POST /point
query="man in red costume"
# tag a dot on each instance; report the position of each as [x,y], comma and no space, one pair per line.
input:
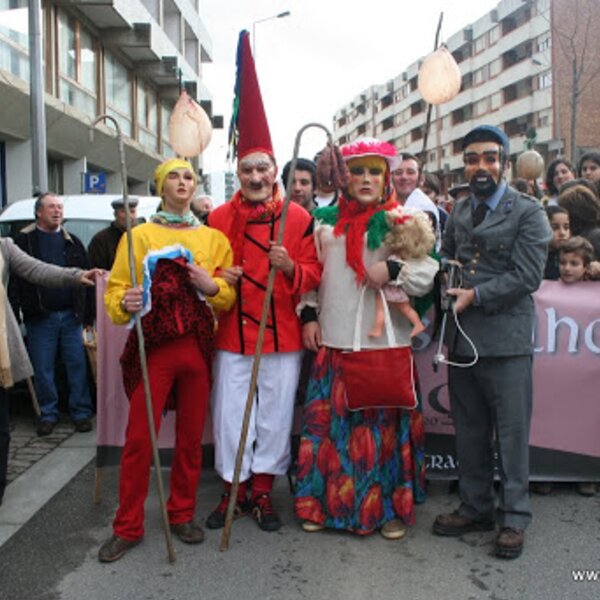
[251,221]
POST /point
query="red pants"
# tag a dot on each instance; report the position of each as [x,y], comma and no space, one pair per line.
[178,362]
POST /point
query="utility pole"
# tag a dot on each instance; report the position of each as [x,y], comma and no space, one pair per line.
[39,160]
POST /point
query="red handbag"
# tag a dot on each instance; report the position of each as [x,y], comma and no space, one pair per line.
[380,378]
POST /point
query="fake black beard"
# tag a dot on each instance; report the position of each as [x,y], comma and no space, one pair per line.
[482,184]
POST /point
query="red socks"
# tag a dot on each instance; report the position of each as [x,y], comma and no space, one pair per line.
[242,489]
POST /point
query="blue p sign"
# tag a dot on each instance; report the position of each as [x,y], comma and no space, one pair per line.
[94,183]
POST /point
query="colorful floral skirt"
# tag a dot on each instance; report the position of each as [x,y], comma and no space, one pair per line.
[356,469]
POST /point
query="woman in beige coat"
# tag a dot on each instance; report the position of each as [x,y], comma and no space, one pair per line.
[14,361]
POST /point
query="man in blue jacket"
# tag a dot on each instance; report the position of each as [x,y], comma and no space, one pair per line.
[54,316]
[499,236]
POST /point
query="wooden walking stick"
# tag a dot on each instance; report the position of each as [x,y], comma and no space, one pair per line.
[141,344]
[259,344]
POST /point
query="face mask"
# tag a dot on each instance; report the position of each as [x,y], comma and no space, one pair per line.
[482,184]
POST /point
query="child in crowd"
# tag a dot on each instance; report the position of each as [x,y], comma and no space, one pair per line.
[561,232]
[574,259]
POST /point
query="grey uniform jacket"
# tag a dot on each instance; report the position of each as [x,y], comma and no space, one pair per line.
[504,257]
[35,271]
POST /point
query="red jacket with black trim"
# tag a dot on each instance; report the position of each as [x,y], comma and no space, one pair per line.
[238,328]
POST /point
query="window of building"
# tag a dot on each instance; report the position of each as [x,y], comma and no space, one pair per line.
[467,81]
[361,129]
[457,146]
[417,108]
[543,119]
[118,92]
[544,80]
[14,43]
[416,134]
[387,123]
[479,44]
[413,84]
[481,107]
[387,100]
[493,35]
[147,116]
[495,67]
[496,100]
[516,20]
[517,54]
[432,156]
[165,114]
[543,44]
[76,66]
[341,121]
[481,75]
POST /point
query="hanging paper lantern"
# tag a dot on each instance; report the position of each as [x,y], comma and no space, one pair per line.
[439,77]
[190,129]
[530,165]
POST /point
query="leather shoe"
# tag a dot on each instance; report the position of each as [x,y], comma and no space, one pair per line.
[509,542]
[188,532]
[454,524]
[83,425]
[45,428]
[115,548]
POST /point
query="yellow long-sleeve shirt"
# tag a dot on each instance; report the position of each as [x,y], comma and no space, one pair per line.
[209,247]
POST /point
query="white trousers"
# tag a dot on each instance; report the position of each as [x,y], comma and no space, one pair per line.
[267,447]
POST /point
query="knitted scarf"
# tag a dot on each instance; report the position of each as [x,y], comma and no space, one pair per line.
[244,212]
[162,217]
[352,221]
[6,379]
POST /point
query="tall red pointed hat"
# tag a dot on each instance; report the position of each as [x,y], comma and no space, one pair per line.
[248,130]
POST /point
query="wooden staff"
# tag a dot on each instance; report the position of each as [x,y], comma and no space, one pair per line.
[259,343]
[141,343]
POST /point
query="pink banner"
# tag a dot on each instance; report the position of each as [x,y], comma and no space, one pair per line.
[566,408]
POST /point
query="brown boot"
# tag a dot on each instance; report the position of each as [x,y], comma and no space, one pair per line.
[115,548]
[188,532]
[509,542]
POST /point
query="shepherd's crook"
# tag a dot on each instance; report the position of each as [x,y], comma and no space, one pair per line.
[140,335]
[259,342]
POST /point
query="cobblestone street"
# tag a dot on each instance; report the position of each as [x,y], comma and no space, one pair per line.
[26,448]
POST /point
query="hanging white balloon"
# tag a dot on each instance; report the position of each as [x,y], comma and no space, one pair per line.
[190,129]
[439,77]
[530,165]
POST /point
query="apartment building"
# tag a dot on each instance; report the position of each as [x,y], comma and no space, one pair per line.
[124,58]
[521,64]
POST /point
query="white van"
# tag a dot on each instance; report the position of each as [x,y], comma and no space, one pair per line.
[84,214]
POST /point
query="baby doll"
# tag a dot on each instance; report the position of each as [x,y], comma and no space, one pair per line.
[411,236]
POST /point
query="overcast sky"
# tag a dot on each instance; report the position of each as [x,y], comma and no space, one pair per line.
[316,60]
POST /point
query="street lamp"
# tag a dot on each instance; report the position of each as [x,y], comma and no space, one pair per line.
[281,15]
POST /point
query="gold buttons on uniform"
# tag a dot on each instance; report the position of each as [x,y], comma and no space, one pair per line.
[244,322]
[472,272]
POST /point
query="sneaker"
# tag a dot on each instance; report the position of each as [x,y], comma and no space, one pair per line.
[216,519]
[509,542]
[264,513]
[312,527]
[393,530]
[188,532]
[45,428]
[115,548]
[83,425]
[454,524]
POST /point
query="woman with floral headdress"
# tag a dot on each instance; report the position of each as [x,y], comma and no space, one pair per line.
[358,470]
[176,260]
